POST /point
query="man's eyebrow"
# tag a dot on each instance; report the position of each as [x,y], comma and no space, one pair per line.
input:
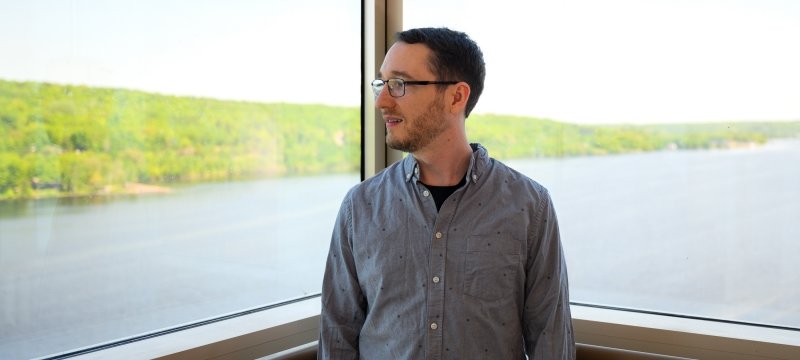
[397,74]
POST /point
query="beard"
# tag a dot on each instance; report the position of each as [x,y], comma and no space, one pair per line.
[420,131]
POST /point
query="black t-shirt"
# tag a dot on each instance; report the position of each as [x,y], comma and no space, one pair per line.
[441,193]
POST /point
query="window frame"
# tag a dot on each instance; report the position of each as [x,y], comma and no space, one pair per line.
[276,329]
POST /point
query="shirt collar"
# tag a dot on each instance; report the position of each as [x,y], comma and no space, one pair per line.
[477,164]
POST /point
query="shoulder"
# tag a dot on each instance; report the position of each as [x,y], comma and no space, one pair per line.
[502,175]
[387,178]
[516,181]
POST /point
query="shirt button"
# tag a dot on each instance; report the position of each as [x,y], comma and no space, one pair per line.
[434,326]
[426,193]
[438,235]
[435,279]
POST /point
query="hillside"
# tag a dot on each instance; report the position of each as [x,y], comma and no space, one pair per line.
[62,140]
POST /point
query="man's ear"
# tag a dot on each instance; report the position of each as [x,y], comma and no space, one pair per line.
[459,97]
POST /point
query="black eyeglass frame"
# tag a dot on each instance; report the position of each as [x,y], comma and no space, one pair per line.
[379,84]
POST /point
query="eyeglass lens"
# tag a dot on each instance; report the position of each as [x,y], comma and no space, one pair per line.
[377,86]
[396,87]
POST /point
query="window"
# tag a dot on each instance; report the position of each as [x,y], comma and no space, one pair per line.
[166,163]
[23,273]
[667,133]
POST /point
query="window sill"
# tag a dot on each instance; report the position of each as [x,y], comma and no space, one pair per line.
[678,336]
[245,337]
[275,330]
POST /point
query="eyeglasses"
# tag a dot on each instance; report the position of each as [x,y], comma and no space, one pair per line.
[397,87]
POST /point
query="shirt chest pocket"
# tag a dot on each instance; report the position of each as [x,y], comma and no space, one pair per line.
[492,268]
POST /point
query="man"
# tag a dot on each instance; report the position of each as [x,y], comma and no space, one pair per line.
[447,254]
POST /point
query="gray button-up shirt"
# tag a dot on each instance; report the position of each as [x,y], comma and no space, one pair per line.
[484,278]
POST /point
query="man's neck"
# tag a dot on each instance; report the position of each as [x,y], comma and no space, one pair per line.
[445,164]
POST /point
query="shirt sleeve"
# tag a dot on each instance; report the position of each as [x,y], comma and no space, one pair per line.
[343,304]
[547,322]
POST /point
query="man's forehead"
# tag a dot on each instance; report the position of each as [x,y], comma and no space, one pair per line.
[406,61]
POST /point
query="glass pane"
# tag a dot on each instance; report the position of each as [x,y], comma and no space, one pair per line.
[668,133]
[167,162]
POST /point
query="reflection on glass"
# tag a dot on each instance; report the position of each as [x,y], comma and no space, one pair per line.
[668,133]
[162,164]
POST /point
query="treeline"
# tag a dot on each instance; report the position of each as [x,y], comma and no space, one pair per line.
[65,140]
[62,140]
[525,137]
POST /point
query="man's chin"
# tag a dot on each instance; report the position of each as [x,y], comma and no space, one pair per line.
[398,145]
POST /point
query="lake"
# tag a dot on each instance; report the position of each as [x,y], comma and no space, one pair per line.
[707,233]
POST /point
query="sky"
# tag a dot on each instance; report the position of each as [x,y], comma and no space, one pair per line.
[256,50]
[580,61]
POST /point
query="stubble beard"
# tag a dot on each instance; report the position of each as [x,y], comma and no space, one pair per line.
[420,131]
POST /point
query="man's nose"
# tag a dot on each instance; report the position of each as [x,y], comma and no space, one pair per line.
[384,99]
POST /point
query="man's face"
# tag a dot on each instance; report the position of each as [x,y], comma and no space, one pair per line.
[414,120]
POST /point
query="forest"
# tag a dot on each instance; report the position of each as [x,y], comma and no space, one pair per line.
[65,140]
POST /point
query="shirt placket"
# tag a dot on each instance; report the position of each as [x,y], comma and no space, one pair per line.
[435,299]
[438,276]
[436,289]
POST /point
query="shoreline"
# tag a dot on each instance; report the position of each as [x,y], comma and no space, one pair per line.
[137,188]
[143,189]
[126,189]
